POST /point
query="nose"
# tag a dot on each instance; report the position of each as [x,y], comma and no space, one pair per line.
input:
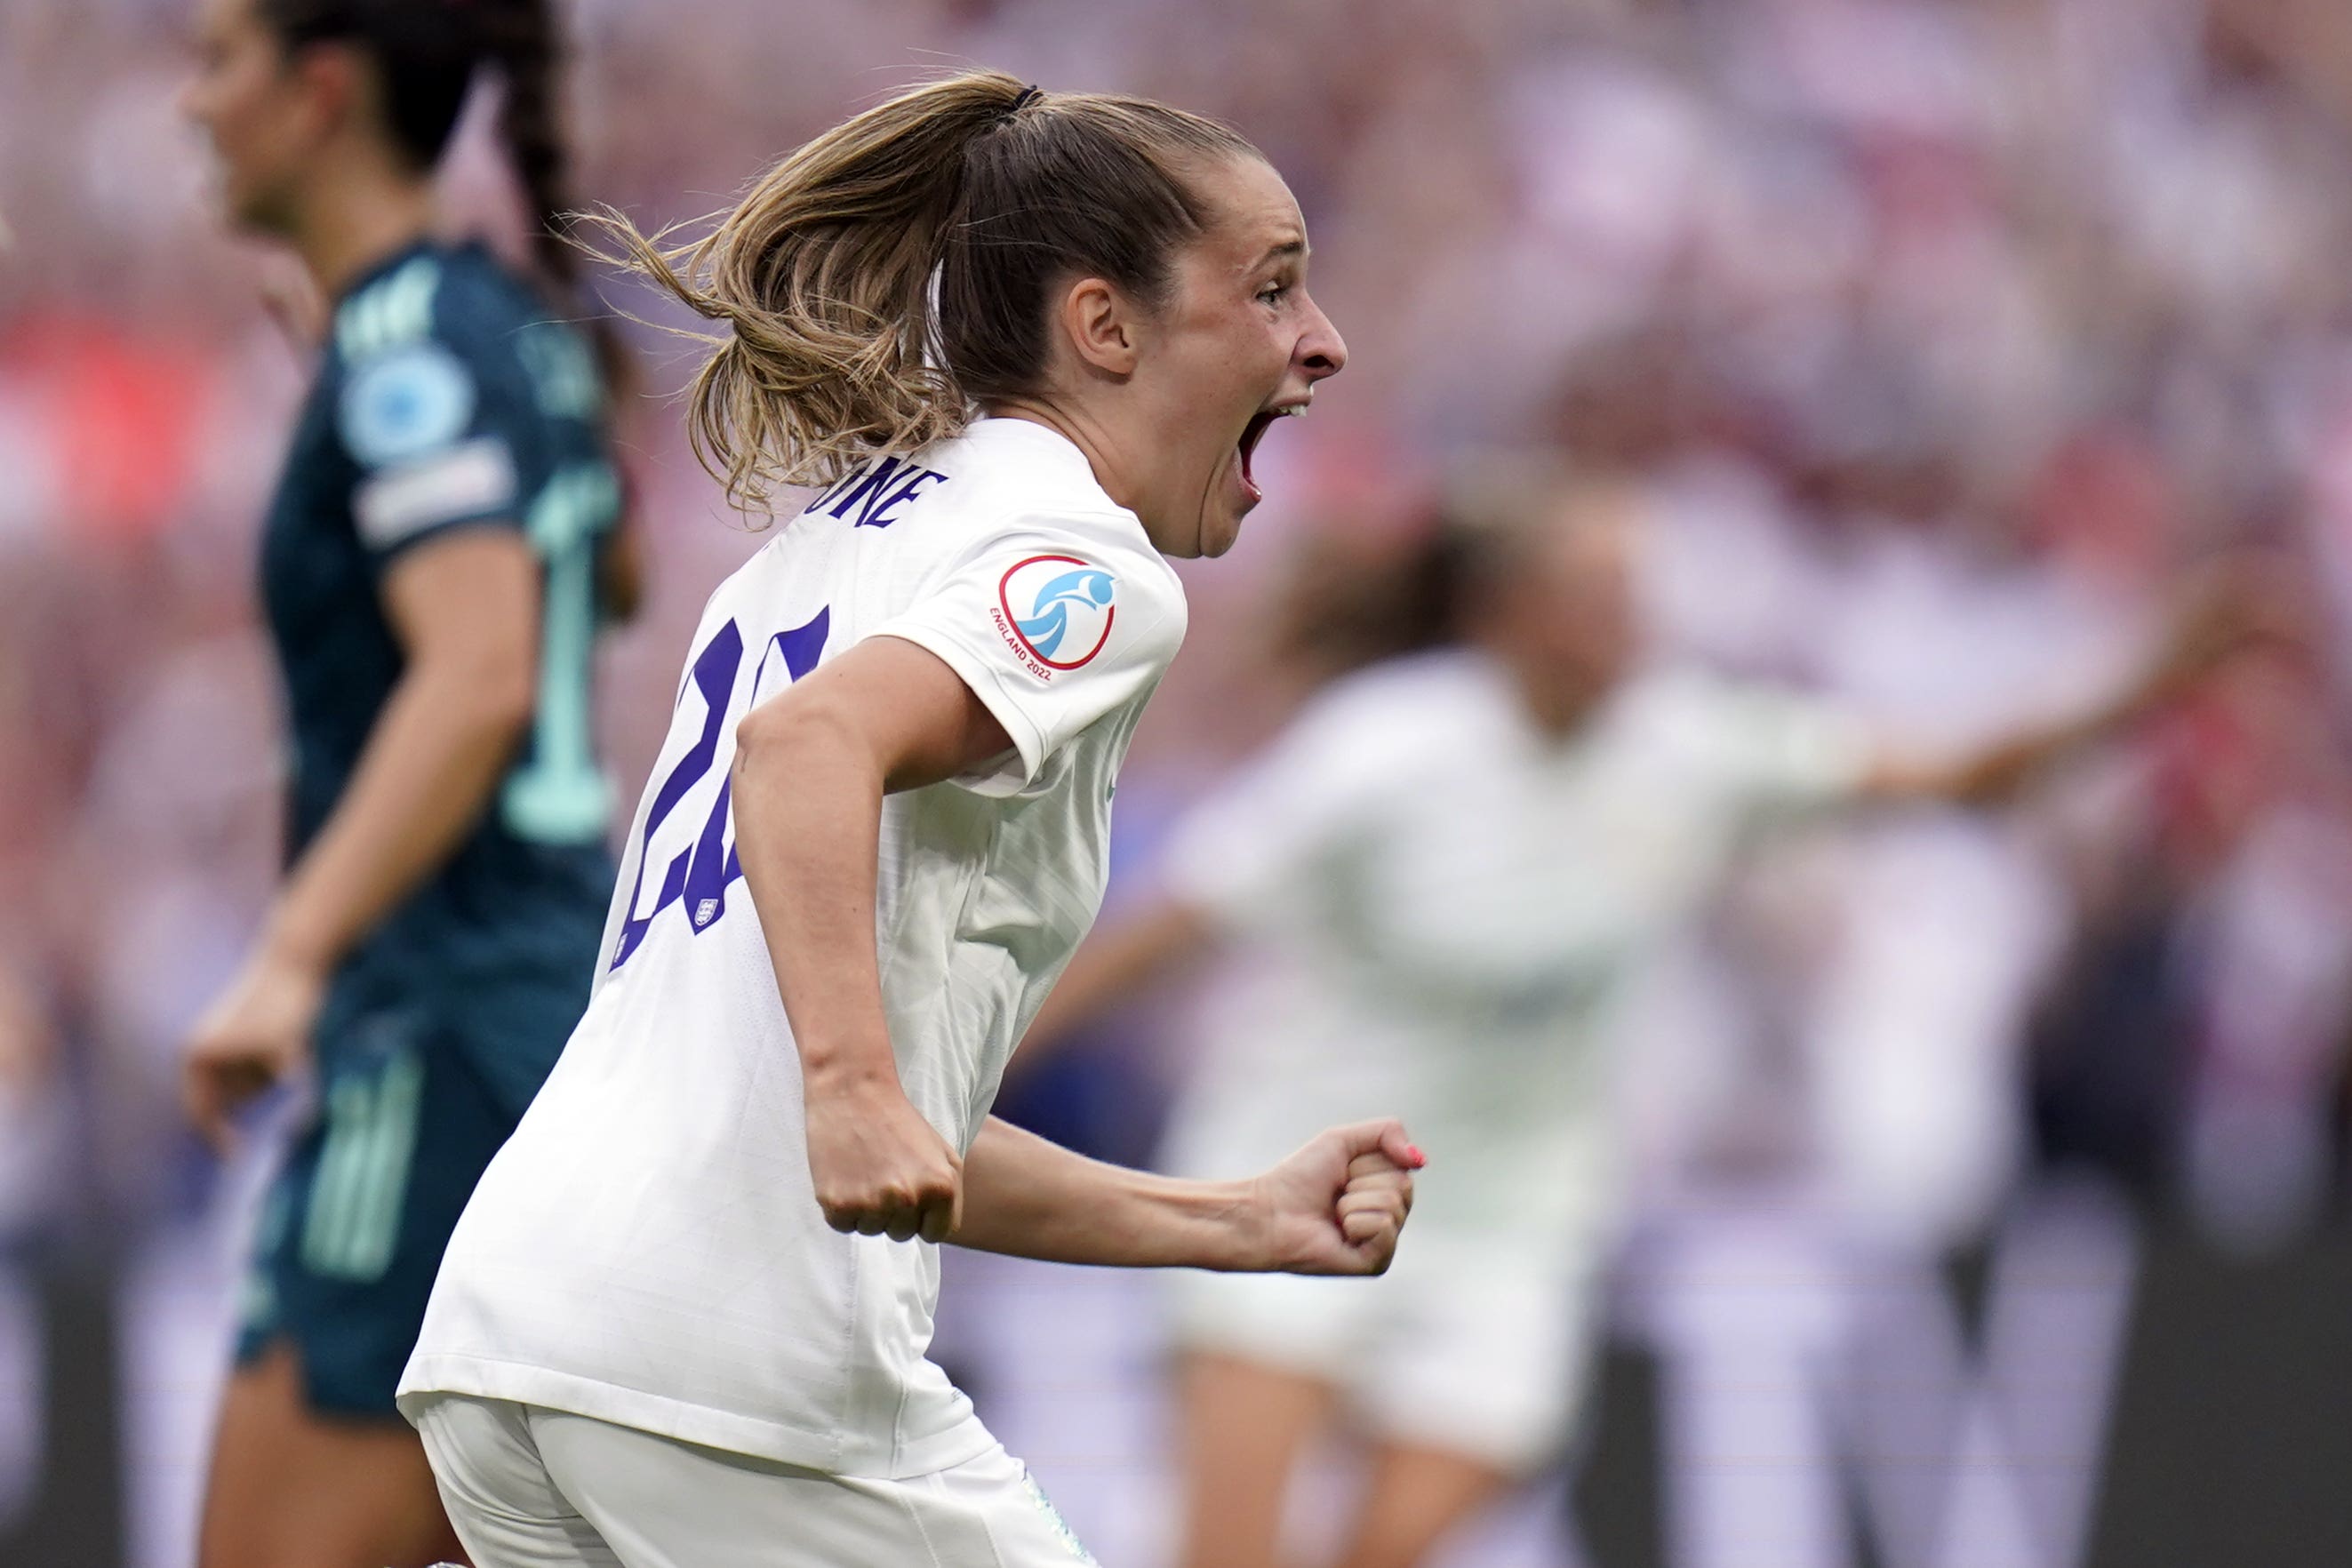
[1321,350]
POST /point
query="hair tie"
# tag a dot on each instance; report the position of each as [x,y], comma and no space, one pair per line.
[1029,95]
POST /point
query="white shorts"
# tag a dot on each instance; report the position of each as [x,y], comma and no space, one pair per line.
[528,1486]
[1461,1346]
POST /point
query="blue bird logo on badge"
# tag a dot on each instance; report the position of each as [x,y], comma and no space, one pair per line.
[1060,609]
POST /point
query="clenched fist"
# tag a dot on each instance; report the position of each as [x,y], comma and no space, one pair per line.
[1337,1205]
[879,1168]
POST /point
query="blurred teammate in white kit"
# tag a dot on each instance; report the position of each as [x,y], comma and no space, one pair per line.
[1452,865]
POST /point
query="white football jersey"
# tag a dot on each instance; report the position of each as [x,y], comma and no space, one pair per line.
[1437,905]
[647,1248]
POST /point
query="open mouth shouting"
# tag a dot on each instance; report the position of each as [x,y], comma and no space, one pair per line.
[1254,432]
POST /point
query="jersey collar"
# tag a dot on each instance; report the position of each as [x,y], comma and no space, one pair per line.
[1042,442]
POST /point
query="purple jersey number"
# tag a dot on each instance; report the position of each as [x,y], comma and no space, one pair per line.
[699,876]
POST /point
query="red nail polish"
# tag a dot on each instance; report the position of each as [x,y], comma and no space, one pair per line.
[1413,1152]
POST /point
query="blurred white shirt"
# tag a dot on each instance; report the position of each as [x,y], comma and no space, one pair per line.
[1449,900]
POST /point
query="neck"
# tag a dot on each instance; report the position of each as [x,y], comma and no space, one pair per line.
[1119,477]
[1558,707]
[350,223]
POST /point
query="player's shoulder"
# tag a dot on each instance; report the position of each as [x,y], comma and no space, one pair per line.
[1020,499]
[458,301]
[447,337]
[400,388]
[1706,713]
[1413,702]
[1676,693]
[481,299]
[1014,475]
[1691,694]
[996,475]
[429,292]
[1685,704]
[1456,680]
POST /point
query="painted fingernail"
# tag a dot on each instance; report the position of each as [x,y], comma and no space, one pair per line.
[1413,1152]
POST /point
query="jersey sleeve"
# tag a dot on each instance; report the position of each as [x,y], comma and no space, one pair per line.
[445,430]
[1272,828]
[1784,751]
[1053,623]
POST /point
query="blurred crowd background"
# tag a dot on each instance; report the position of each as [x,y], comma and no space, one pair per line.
[1945,338]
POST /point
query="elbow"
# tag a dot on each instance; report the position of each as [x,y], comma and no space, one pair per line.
[507,699]
[790,739]
[494,699]
[765,742]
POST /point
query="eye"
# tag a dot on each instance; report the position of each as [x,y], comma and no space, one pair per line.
[1274,293]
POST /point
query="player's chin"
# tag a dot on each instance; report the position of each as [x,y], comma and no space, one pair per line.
[1220,523]
[1232,499]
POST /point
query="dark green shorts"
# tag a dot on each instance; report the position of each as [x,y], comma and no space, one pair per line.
[354,1227]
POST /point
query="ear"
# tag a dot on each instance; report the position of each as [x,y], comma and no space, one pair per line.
[332,81]
[1103,326]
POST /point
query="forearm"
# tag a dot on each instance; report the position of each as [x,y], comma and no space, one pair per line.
[2002,772]
[1998,772]
[427,772]
[1029,1198]
[2226,610]
[812,766]
[808,821]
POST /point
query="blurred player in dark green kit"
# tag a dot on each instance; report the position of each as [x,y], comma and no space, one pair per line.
[443,542]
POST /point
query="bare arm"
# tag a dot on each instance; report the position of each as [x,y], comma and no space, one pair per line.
[1998,772]
[465,611]
[2227,611]
[811,769]
[1334,1207]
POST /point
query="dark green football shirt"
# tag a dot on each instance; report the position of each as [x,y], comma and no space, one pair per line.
[447,397]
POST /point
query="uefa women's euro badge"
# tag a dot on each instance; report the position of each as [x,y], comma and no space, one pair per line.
[1054,611]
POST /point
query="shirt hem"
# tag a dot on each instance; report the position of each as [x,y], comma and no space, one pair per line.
[483,1377]
[985,683]
[506,517]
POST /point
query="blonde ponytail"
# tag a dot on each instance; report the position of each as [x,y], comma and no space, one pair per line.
[822,274]
[885,279]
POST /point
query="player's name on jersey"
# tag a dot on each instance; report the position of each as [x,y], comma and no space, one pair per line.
[874,491]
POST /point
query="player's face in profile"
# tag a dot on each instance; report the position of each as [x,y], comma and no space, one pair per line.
[251,108]
[1240,341]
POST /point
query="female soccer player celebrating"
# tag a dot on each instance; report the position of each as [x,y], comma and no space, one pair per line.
[682,1324]
[431,568]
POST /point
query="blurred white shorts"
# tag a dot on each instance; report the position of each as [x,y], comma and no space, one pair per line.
[528,1486]
[1466,1346]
